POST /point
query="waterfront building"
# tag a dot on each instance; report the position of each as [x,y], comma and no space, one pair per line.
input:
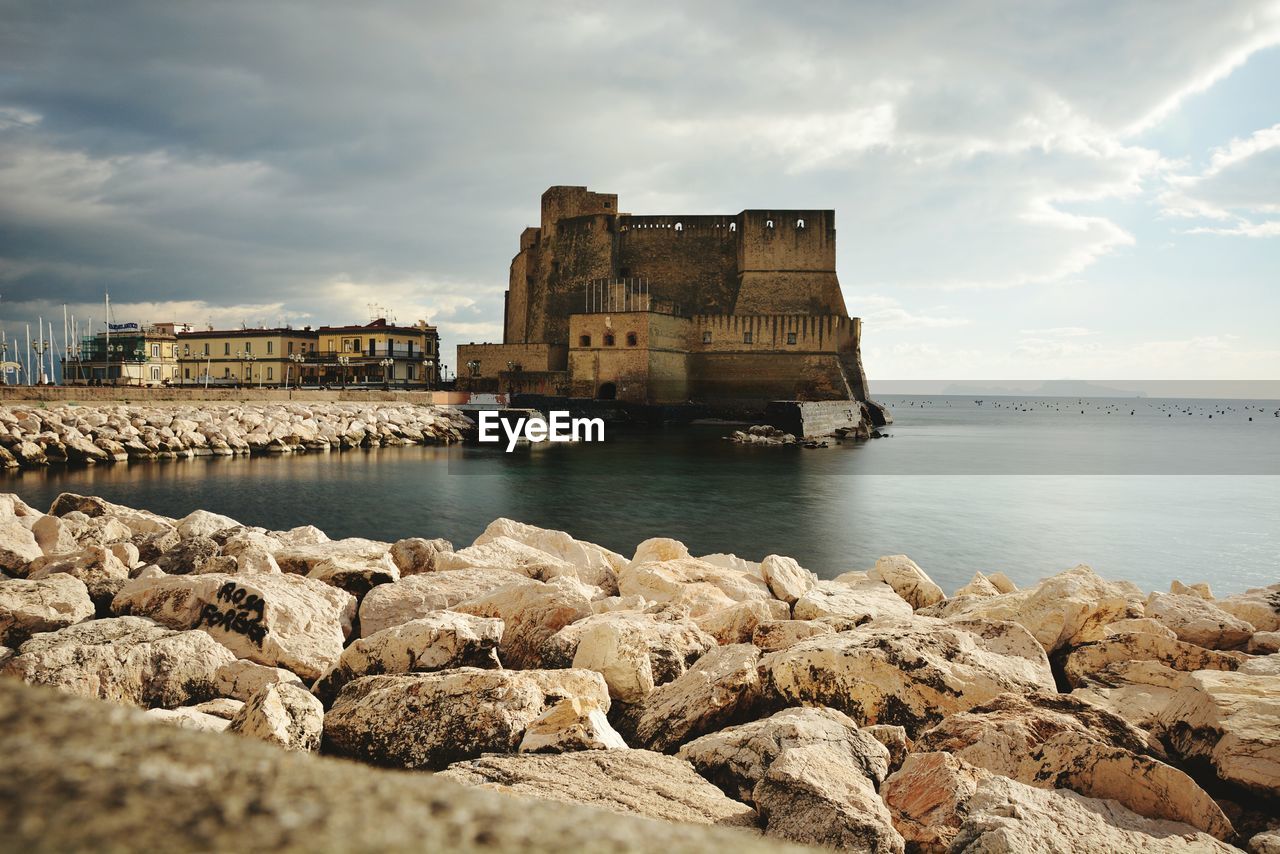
[131,354]
[378,354]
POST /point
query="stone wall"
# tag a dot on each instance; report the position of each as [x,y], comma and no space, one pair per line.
[688,260]
[745,377]
[126,394]
[493,358]
[813,419]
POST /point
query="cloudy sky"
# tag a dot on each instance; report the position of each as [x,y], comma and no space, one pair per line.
[1022,190]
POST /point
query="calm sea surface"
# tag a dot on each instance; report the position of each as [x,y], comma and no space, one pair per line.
[1147,490]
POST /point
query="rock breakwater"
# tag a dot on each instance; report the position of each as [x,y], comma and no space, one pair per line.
[33,436]
[869,712]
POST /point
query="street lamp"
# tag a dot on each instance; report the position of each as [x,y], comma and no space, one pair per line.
[428,377]
[296,359]
[40,348]
[386,368]
[246,356]
[343,361]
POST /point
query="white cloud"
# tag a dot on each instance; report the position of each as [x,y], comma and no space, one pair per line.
[887,314]
[1239,191]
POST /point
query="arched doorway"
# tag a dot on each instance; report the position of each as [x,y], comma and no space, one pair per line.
[607,391]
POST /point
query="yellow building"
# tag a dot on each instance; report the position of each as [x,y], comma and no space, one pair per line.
[376,354]
[379,353]
[246,357]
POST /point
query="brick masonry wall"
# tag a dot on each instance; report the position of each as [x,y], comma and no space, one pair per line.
[719,377]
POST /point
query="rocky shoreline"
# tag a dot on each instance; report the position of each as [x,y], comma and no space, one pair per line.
[870,712]
[33,436]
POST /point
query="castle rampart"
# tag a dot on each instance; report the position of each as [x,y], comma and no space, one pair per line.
[672,307]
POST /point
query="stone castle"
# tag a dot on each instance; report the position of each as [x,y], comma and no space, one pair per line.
[728,310]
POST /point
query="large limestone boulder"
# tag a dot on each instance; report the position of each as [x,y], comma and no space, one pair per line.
[189,717]
[125,660]
[281,714]
[736,758]
[28,607]
[140,522]
[416,555]
[1084,661]
[1134,625]
[1233,721]
[139,786]
[18,547]
[942,803]
[430,720]
[241,679]
[980,586]
[278,620]
[571,724]
[102,572]
[1058,741]
[659,549]
[908,673]
[202,523]
[422,595]
[773,635]
[531,611]
[857,602]
[720,688]
[703,586]
[506,554]
[301,557]
[1198,621]
[811,796]
[635,652]
[1263,643]
[1058,611]
[592,564]
[1137,691]
[1259,606]
[438,641]
[635,782]
[356,575]
[787,580]
[738,623]
[907,580]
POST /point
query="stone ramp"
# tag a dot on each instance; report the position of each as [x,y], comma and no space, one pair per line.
[80,775]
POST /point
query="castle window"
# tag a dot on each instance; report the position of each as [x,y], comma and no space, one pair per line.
[631,339]
[706,338]
[768,223]
[608,339]
[799,223]
[679,226]
[791,338]
[584,341]
[746,337]
[733,226]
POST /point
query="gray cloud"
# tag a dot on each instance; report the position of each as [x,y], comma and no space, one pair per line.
[303,159]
